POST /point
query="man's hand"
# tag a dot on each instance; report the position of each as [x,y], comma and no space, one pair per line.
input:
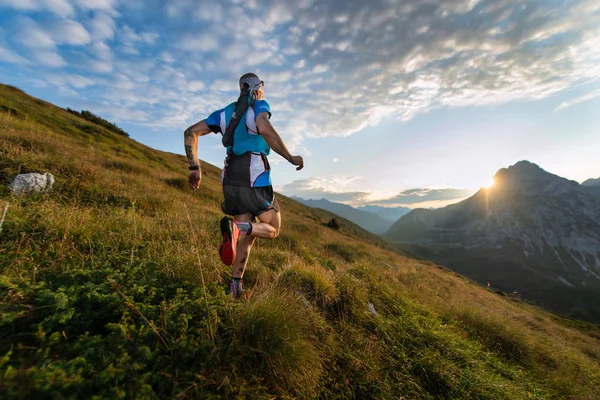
[297,160]
[194,179]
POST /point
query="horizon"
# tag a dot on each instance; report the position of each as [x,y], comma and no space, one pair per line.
[420,103]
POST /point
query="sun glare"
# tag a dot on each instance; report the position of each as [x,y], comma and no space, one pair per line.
[489,185]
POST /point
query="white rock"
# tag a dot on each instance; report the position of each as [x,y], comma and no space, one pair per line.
[32,183]
[371,308]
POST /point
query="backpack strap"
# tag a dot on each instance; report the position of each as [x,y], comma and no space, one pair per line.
[245,100]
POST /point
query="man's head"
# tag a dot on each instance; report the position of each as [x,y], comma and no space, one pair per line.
[252,81]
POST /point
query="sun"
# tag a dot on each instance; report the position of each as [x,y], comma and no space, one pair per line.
[490,184]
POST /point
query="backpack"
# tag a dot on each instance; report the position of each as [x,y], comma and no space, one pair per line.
[246,99]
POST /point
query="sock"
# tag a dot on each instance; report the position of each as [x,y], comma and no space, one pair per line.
[244,227]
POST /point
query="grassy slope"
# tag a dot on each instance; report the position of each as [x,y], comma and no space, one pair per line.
[111,285]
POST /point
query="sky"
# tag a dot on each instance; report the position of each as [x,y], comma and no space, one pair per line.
[415,103]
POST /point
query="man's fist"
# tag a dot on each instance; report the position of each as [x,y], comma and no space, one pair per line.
[298,161]
[194,179]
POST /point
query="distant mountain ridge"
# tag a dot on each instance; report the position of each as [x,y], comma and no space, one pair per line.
[369,221]
[392,214]
[591,182]
[532,232]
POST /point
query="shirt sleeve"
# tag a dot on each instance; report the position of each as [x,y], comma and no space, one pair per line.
[214,121]
[261,106]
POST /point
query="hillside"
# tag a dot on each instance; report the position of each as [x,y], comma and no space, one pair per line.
[111,287]
[532,232]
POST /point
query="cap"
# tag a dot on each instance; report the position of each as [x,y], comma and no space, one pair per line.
[250,79]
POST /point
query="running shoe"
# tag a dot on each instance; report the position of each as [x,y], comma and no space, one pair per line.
[230,233]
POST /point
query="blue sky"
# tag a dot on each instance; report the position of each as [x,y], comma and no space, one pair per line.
[414,103]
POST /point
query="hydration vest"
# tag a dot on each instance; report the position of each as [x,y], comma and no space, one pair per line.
[241,135]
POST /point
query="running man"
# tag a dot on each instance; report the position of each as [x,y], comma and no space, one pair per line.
[246,175]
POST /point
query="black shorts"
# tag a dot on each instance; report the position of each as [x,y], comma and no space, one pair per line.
[254,200]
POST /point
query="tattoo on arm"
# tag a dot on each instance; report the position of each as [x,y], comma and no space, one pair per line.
[190,154]
[189,133]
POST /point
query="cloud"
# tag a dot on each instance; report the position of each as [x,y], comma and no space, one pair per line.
[327,187]
[422,195]
[332,189]
[29,34]
[48,58]
[72,80]
[346,64]
[70,32]
[589,96]
[102,26]
[200,42]
[61,8]
[9,56]
[108,6]
[382,60]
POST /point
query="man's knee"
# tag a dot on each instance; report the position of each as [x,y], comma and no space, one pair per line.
[274,233]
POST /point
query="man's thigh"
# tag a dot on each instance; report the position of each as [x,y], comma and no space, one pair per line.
[271,217]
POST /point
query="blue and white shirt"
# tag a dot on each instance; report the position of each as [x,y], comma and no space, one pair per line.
[246,163]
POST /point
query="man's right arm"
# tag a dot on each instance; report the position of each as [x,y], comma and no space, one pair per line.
[268,132]
[190,140]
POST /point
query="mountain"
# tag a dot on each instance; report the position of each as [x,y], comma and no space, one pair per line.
[532,232]
[392,214]
[111,287]
[591,182]
[370,221]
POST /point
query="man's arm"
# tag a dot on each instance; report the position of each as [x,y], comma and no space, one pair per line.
[274,141]
[190,140]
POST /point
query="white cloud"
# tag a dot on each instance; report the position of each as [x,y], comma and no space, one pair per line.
[167,57]
[196,86]
[199,42]
[70,32]
[62,8]
[30,34]
[26,5]
[100,66]
[49,58]
[107,6]
[9,56]
[589,96]
[149,37]
[102,26]
[102,51]
[73,80]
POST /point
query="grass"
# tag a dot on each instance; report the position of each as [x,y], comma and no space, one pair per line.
[110,286]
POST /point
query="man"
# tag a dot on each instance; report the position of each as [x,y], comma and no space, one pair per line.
[246,178]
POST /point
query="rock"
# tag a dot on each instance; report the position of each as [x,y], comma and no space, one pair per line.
[32,183]
[371,308]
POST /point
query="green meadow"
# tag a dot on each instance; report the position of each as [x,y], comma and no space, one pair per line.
[111,287]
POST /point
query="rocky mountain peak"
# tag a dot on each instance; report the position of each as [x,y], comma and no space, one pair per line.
[528,178]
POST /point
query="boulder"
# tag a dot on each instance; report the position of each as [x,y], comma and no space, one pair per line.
[32,183]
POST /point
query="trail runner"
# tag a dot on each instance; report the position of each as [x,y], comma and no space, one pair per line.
[248,136]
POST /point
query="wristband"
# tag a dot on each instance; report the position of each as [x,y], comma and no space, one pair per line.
[194,167]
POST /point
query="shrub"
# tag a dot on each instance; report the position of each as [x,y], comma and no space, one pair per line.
[89,116]
[279,335]
[315,284]
[333,224]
